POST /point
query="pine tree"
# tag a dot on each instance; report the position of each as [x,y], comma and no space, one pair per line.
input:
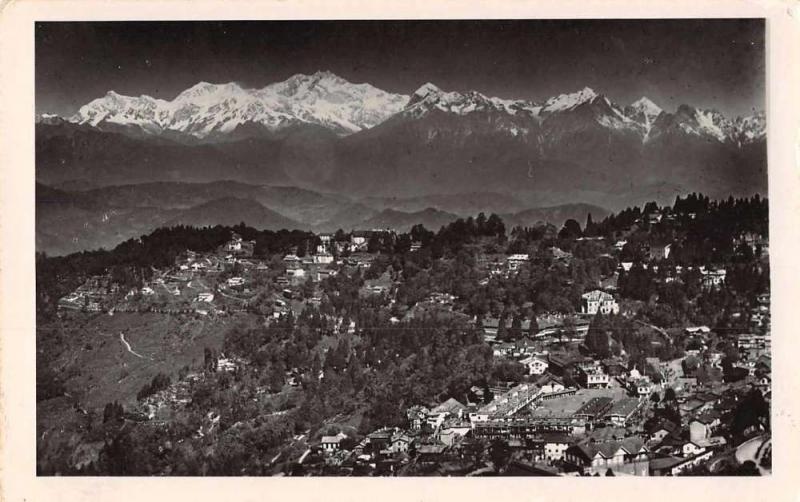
[597,337]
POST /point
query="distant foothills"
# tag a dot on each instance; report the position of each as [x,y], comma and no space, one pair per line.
[75,220]
[317,152]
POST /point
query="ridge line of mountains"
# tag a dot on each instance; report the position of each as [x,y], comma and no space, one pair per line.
[74,220]
[211,112]
[317,150]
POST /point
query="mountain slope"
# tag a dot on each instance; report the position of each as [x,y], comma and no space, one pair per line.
[402,222]
[231,211]
[555,215]
[434,143]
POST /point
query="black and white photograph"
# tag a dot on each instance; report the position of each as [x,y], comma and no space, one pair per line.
[402,248]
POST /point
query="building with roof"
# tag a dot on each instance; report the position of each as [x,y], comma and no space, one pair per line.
[515,261]
[555,445]
[597,301]
[449,408]
[661,429]
[508,404]
[592,376]
[628,455]
[712,279]
[641,387]
[623,411]
[594,409]
[536,365]
[330,444]
[417,415]
[659,251]
[672,465]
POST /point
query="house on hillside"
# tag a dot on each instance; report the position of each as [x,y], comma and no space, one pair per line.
[713,279]
[447,409]
[659,251]
[205,297]
[238,246]
[515,261]
[628,455]
[536,365]
[331,444]
[592,376]
[323,258]
[597,301]
[358,240]
[235,281]
[417,416]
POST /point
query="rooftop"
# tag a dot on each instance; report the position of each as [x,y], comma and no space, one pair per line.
[450,406]
[597,296]
[624,406]
[607,449]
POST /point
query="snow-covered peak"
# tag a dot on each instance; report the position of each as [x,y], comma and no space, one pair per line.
[751,128]
[644,112]
[429,97]
[322,98]
[646,106]
[116,108]
[426,89]
[49,118]
[565,102]
[707,124]
[208,91]
[713,123]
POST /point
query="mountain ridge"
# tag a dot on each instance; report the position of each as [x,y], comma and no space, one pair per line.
[69,221]
[209,112]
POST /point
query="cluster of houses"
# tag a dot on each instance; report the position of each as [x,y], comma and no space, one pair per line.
[557,429]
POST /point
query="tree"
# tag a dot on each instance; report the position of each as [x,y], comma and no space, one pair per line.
[501,327]
[500,453]
[597,338]
[570,230]
[568,329]
[515,333]
[534,328]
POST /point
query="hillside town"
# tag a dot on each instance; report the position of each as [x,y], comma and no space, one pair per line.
[636,345]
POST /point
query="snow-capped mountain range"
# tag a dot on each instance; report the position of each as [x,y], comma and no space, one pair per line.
[204,109]
[210,111]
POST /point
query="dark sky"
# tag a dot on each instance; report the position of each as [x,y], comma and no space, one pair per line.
[706,63]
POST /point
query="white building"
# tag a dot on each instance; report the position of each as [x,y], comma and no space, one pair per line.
[516,260]
[323,258]
[296,272]
[331,443]
[536,365]
[598,301]
[713,278]
[205,297]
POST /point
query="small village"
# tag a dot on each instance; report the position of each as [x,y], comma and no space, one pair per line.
[690,402]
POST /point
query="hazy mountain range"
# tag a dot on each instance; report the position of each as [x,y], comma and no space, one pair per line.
[319,152]
[75,220]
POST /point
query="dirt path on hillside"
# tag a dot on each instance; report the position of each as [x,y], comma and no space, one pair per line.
[128,346]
